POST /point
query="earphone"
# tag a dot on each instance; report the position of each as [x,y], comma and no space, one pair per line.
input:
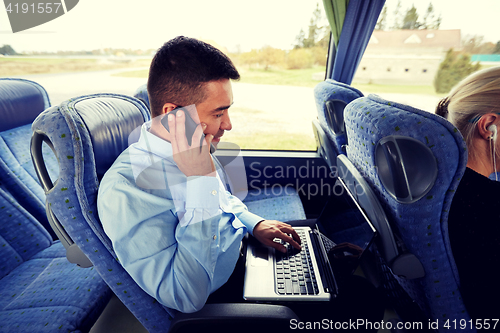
[493,129]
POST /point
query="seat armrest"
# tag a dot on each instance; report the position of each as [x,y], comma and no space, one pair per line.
[231,317]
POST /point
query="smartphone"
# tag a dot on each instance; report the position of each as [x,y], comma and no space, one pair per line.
[190,127]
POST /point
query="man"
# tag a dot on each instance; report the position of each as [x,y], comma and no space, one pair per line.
[174,227]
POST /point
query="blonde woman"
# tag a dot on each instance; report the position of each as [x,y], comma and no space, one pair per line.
[473,106]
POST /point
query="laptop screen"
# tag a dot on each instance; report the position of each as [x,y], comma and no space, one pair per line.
[344,223]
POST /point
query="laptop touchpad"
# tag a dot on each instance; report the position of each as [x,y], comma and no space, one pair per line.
[261,255]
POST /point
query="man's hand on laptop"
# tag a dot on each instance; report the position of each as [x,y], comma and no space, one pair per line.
[267,230]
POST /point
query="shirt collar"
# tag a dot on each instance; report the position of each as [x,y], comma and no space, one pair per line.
[152,144]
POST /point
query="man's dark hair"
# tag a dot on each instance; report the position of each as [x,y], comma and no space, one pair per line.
[180,69]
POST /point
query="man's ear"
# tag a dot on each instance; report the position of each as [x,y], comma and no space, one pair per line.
[167,107]
[486,121]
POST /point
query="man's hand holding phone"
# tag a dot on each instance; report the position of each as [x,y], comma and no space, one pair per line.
[190,159]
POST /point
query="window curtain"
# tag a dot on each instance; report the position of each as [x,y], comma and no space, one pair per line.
[352,23]
[335,12]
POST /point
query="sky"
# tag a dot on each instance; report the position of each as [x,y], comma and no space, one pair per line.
[147,24]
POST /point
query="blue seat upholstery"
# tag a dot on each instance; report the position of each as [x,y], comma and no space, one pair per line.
[40,291]
[286,206]
[368,201]
[20,103]
[283,207]
[88,133]
[413,160]
[141,93]
[389,258]
[331,99]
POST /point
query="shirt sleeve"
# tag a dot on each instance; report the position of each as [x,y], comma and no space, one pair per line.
[240,210]
[196,199]
[172,259]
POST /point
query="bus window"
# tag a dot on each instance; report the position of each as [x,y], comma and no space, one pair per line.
[279,47]
[413,40]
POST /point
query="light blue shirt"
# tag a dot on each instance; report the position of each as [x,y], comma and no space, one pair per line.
[178,237]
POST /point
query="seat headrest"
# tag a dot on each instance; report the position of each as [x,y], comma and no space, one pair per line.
[109,122]
[142,94]
[410,147]
[331,98]
[21,101]
[103,122]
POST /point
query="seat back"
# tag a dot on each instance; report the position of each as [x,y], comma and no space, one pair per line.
[21,236]
[331,99]
[20,103]
[87,134]
[413,160]
[142,94]
[370,204]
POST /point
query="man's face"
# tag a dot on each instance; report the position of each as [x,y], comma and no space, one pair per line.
[213,111]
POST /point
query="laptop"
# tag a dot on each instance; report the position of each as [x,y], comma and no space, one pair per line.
[331,250]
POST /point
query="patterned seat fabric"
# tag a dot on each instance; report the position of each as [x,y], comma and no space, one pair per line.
[87,134]
[142,94]
[20,103]
[40,291]
[380,131]
[331,98]
[283,207]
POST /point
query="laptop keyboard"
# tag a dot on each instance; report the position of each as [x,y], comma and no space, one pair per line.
[294,270]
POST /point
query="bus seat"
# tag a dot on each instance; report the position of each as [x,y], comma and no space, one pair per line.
[141,93]
[364,195]
[413,160]
[331,99]
[494,176]
[284,206]
[20,103]
[40,291]
[387,257]
[96,130]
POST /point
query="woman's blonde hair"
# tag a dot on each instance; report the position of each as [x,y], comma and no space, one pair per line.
[469,100]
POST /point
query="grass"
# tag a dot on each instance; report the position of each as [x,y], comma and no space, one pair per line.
[304,78]
[393,88]
[285,77]
[137,74]
[253,130]
[272,141]
[246,121]
[288,77]
[10,66]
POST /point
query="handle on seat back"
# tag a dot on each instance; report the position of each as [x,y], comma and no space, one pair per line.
[36,155]
[396,168]
[73,252]
[335,108]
